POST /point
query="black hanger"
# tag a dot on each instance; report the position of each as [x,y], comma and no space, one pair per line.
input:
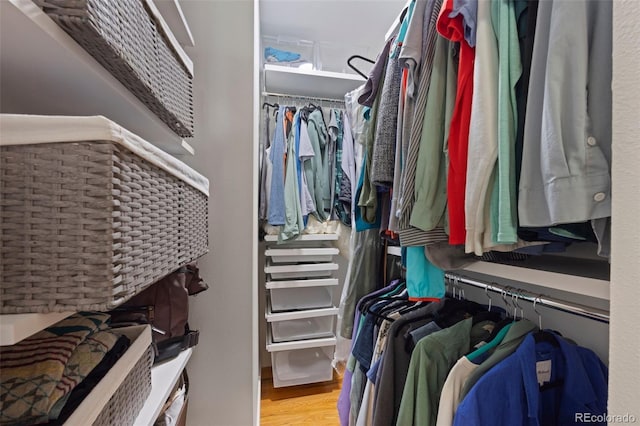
[546,336]
[353,67]
[267,104]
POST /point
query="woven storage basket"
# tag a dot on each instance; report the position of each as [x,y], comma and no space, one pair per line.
[123,36]
[127,401]
[86,225]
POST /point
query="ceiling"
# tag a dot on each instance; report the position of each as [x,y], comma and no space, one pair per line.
[332,29]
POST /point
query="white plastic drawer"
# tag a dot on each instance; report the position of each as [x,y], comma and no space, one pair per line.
[311,270]
[301,325]
[301,294]
[301,362]
[294,255]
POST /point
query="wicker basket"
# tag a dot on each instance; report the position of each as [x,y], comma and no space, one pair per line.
[86,225]
[127,401]
[123,36]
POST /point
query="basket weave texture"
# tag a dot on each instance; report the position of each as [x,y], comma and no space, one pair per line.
[86,225]
[127,401]
[125,39]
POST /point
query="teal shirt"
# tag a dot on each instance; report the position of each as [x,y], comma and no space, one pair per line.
[402,33]
[503,210]
[316,172]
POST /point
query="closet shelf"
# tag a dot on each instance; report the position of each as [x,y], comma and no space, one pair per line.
[163,378]
[31,42]
[566,277]
[291,81]
[15,327]
[93,404]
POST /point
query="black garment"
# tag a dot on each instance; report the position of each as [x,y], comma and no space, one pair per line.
[526,15]
[395,366]
[80,392]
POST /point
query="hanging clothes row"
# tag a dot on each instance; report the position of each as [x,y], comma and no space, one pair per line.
[456,362]
[477,140]
[305,166]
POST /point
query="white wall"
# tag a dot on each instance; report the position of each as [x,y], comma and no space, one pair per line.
[624,351]
[223,368]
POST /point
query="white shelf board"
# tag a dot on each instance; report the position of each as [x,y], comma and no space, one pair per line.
[305,237]
[163,378]
[15,327]
[313,83]
[172,13]
[93,404]
[44,71]
[590,287]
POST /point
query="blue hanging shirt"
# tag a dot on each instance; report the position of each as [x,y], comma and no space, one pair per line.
[510,394]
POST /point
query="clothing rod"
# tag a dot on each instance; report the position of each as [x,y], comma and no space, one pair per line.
[301,97]
[550,302]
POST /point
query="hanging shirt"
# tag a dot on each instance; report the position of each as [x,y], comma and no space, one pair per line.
[397,162]
[294,222]
[276,206]
[393,372]
[305,154]
[451,390]
[317,176]
[368,199]
[504,214]
[424,281]
[348,181]
[431,169]
[510,394]
[516,334]
[369,92]
[431,361]
[384,141]
[409,235]
[483,135]
[468,10]
[453,24]
[265,167]
[566,164]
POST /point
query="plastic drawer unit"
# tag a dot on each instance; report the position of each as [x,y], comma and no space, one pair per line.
[301,362]
[304,270]
[301,294]
[301,325]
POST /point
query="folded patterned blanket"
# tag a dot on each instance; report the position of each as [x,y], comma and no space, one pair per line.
[32,370]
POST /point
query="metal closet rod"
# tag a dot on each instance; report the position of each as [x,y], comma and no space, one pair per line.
[542,300]
[312,98]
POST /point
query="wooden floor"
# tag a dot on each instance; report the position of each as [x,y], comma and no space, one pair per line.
[313,404]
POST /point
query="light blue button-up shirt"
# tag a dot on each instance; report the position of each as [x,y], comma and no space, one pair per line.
[566,164]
